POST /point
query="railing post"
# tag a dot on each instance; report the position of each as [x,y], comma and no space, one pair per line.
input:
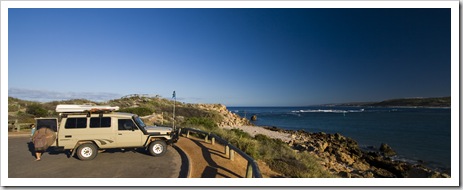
[227,150]
[188,134]
[249,170]
[16,125]
[206,139]
[213,141]
[232,155]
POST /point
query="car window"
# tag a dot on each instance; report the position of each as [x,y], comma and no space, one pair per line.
[100,122]
[126,124]
[47,123]
[76,123]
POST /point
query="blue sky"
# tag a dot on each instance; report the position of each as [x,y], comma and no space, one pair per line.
[237,57]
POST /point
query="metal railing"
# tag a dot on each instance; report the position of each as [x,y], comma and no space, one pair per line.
[252,170]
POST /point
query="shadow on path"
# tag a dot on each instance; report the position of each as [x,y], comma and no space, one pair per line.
[211,171]
[184,169]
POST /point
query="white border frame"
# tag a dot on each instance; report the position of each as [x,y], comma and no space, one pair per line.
[455,69]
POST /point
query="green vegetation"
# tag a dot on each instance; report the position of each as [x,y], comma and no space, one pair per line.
[13,108]
[26,111]
[283,159]
[37,110]
[24,117]
[141,111]
[202,122]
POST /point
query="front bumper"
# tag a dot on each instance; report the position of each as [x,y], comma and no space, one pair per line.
[174,136]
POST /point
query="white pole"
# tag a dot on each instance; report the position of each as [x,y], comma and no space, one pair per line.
[175,100]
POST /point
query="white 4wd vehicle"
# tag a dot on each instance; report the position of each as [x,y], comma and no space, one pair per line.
[84,130]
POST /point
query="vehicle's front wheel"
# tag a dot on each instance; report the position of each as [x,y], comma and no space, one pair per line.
[87,152]
[158,148]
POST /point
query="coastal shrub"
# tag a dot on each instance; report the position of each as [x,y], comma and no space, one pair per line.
[13,108]
[37,110]
[246,144]
[215,116]
[240,139]
[312,166]
[201,121]
[283,159]
[24,117]
[189,112]
[192,112]
[141,111]
[272,148]
[241,133]
[287,165]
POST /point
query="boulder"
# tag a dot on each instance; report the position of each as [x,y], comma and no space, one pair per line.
[253,117]
[344,158]
[387,150]
[362,166]
[322,146]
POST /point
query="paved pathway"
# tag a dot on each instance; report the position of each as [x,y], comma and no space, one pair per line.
[210,161]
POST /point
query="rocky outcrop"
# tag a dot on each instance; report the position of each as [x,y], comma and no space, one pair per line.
[229,118]
[342,156]
[387,150]
[253,117]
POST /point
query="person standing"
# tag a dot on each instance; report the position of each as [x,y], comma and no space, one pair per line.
[33,129]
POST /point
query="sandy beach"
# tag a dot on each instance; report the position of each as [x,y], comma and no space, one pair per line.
[254,130]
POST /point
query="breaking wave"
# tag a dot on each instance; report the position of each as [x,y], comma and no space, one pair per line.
[327,111]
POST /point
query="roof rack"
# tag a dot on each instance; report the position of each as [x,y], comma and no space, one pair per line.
[65,108]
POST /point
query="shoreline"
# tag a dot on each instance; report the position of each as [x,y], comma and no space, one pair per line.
[342,155]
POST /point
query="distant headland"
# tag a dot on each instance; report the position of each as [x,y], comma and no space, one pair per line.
[403,102]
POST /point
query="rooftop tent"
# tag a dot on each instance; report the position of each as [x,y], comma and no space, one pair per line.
[83,108]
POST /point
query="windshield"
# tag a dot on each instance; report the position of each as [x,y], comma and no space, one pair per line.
[139,121]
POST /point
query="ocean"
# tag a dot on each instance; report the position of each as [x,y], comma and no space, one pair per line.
[418,135]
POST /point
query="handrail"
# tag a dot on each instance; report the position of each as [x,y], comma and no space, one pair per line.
[252,164]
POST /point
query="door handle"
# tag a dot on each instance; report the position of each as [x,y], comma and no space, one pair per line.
[67,136]
[119,133]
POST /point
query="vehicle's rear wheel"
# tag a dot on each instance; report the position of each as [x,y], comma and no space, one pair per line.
[87,152]
[158,148]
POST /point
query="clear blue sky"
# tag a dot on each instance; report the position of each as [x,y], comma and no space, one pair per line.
[237,57]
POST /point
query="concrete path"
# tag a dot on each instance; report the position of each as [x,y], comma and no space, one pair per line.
[210,161]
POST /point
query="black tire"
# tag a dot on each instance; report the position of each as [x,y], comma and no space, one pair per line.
[87,152]
[157,148]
